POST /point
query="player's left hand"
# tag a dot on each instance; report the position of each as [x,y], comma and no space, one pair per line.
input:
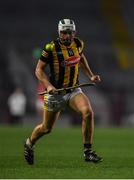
[95,78]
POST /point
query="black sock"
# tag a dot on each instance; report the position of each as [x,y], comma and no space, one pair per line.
[87,146]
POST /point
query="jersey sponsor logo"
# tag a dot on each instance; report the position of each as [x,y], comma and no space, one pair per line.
[71,61]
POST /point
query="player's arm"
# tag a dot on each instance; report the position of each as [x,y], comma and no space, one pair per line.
[40,74]
[85,66]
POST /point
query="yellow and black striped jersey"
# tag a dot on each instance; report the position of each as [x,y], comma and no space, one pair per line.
[63,62]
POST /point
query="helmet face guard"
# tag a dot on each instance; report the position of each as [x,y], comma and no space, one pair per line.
[66,26]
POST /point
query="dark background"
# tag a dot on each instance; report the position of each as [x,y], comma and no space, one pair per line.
[106,27]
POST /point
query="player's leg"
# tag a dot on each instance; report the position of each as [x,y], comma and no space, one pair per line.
[81,104]
[45,127]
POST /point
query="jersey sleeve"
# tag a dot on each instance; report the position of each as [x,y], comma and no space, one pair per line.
[46,53]
[80,45]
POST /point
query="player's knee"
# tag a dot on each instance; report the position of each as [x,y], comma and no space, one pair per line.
[46,130]
[87,112]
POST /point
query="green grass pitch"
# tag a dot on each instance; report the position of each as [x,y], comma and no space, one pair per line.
[60,154]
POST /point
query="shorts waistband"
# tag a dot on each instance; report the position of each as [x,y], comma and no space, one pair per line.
[66,92]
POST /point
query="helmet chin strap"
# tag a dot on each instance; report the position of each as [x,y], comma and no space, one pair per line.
[66,42]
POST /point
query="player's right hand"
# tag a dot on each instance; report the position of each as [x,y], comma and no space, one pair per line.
[51,89]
